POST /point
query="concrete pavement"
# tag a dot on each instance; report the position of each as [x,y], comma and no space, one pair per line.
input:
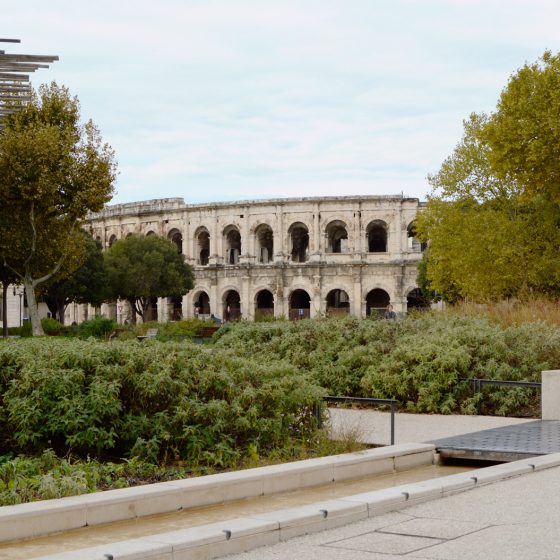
[372,426]
[517,519]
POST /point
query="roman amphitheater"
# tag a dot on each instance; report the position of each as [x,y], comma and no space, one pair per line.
[293,257]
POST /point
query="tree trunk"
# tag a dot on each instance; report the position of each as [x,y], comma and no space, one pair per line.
[51,305]
[144,305]
[60,311]
[5,310]
[36,327]
[132,311]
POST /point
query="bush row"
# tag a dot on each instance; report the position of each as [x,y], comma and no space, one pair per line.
[420,360]
[155,401]
[102,327]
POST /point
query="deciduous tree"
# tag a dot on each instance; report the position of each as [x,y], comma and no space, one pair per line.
[87,284]
[53,171]
[140,268]
[493,218]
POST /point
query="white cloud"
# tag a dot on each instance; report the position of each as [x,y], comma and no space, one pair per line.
[215,99]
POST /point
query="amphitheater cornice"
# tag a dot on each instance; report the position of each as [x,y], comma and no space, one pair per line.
[174,204]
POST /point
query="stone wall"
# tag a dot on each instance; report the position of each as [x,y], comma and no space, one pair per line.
[288,257]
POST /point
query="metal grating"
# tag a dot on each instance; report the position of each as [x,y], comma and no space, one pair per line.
[509,443]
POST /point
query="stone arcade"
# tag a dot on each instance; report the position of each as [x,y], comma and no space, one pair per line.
[293,257]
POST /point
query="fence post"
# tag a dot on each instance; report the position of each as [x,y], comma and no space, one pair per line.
[319,414]
[393,423]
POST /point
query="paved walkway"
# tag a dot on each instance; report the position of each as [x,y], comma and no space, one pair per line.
[517,519]
[371,426]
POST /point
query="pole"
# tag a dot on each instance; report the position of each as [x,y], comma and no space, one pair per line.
[393,405]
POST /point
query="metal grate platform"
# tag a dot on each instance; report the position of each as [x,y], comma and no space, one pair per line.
[509,443]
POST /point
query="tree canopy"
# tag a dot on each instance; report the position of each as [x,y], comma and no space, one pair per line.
[53,171]
[492,220]
[142,267]
[87,284]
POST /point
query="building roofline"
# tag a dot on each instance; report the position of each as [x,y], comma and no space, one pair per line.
[161,204]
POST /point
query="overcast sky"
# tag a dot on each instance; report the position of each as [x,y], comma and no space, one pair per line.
[215,100]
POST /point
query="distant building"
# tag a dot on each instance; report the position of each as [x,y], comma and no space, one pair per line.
[293,257]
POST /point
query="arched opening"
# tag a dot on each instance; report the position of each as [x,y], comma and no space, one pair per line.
[150,233]
[414,244]
[175,304]
[129,234]
[376,302]
[203,247]
[338,303]
[337,237]
[264,305]
[112,240]
[299,236]
[300,304]
[177,238]
[416,300]
[265,243]
[233,245]
[152,311]
[202,305]
[377,237]
[232,306]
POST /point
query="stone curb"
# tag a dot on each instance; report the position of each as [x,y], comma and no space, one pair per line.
[52,516]
[238,535]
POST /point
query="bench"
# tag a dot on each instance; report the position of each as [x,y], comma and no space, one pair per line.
[205,333]
[150,333]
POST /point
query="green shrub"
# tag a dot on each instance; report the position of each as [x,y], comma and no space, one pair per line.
[25,479]
[180,330]
[420,360]
[156,401]
[100,327]
[51,326]
[23,331]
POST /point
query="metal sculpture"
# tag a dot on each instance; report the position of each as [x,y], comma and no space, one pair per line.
[15,87]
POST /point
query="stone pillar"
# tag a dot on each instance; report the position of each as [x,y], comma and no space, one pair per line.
[247,308]
[401,232]
[356,298]
[109,310]
[354,236]
[215,242]
[280,308]
[246,246]
[317,245]
[550,395]
[215,302]
[186,232]
[162,310]
[317,304]
[188,307]
[286,304]
[280,235]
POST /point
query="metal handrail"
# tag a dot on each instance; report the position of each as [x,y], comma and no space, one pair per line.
[369,401]
[478,383]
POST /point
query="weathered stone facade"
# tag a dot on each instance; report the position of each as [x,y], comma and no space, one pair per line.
[294,257]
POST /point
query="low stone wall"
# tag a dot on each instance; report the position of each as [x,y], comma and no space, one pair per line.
[52,516]
[238,535]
